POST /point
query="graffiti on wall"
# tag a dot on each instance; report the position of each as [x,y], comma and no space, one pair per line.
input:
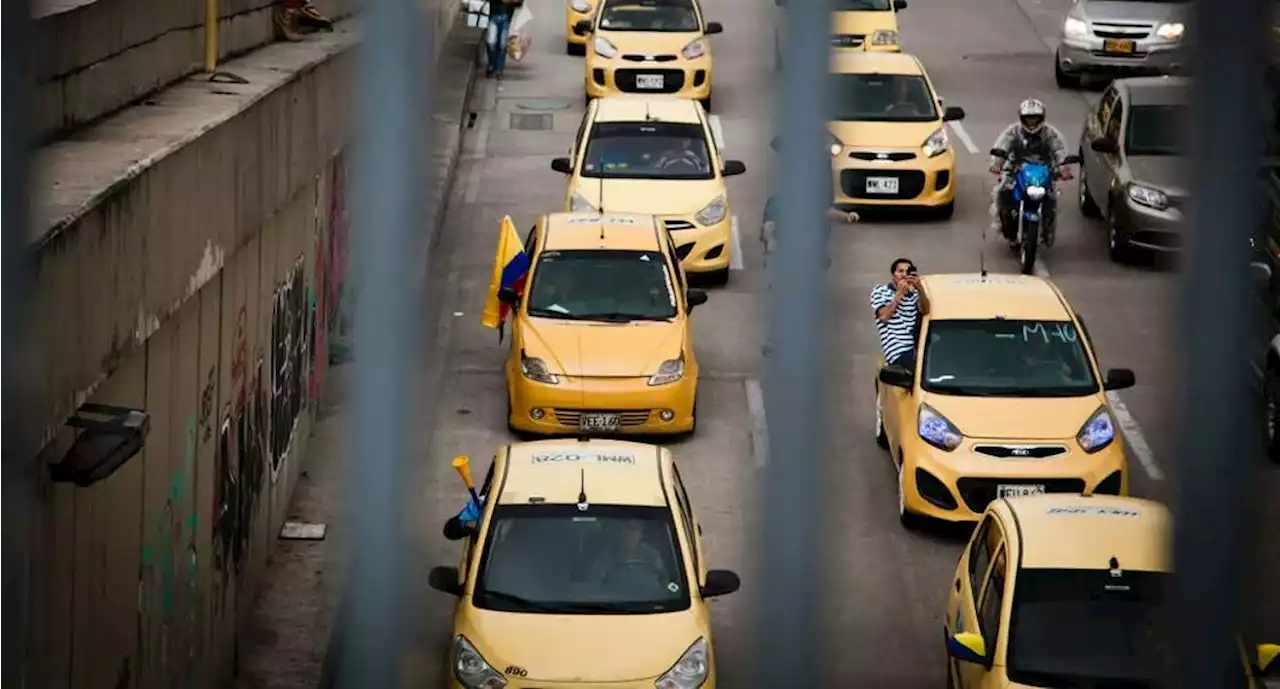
[332,321]
[239,476]
[290,356]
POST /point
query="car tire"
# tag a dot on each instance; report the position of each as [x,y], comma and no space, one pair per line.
[1117,243]
[719,278]
[575,48]
[882,438]
[908,519]
[1063,79]
[1271,411]
[1085,199]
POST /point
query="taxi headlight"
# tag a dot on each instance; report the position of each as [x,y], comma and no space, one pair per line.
[1035,193]
[713,212]
[1171,32]
[536,369]
[937,143]
[1075,28]
[1151,198]
[935,429]
[670,371]
[580,6]
[696,49]
[836,146]
[689,672]
[604,48]
[884,37]
[471,669]
[579,204]
[1097,432]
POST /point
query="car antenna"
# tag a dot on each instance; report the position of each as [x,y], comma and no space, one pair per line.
[582,493]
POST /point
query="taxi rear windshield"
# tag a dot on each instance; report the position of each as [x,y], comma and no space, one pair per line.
[602,285]
[1007,358]
[647,150]
[557,560]
[649,15]
[882,98]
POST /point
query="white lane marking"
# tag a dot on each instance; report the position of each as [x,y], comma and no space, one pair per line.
[717,131]
[1133,433]
[963,136]
[1134,437]
[759,427]
[735,246]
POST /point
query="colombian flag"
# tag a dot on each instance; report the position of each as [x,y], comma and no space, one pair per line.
[510,268]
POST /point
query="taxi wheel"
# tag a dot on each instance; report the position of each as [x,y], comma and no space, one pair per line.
[575,48]
[706,103]
[718,277]
[908,519]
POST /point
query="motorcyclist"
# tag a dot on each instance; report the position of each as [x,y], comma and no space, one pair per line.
[1030,136]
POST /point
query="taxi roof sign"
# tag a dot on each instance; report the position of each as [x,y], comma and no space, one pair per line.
[616,458]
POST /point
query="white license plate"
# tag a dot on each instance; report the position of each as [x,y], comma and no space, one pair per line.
[649,81]
[882,185]
[599,422]
[1018,491]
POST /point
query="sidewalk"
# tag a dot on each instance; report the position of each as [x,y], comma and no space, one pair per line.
[285,642]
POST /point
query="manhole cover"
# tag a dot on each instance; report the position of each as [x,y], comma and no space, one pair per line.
[543,106]
[531,122]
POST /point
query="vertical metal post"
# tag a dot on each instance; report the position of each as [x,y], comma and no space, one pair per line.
[1217,429]
[393,105]
[789,562]
[210,36]
[16,144]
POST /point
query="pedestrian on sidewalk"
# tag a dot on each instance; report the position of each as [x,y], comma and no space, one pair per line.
[500,13]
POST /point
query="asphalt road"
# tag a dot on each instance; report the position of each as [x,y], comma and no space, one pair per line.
[886,593]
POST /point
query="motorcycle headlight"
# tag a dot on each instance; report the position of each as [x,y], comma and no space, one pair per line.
[471,669]
[1171,32]
[935,429]
[534,368]
[713,212]
[579,204]
[670,371]
[1035,193]
[937,143]
[689,672]
[884,37]
[1151,198]
[580,6]
[1097,432]
[696,49]
[604,48]
[1075,28]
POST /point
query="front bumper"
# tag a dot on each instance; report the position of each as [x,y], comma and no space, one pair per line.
[680,77]
[926,182]
[1151,57]
[956,486]
[702,249]
[1151,229]
[648,683]
[557,409]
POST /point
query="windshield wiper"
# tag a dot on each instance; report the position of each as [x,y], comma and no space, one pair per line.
[621,317]
[961,391]
[547,313]
[524,604]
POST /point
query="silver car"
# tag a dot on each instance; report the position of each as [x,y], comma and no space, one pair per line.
[1121,38]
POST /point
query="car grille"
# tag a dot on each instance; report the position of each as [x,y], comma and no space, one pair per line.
[1021,451]
[882,155]
[979,492]
[848,40]
[626,417]
[672,80]
[854,183]
[1122,30]
[632,57]
[677,225]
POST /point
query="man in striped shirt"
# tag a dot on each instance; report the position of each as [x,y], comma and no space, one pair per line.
[898,306]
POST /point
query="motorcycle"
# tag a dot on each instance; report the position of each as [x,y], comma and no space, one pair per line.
[1034,203]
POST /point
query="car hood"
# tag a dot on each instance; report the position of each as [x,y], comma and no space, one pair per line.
[880,135]
[1015,418]
[658,197]
[1156,12]
[1167,173]
[582,648]
[650,42]
[863,22]
[604,350]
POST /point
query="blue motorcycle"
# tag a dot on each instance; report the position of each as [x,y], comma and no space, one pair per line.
[1031,215]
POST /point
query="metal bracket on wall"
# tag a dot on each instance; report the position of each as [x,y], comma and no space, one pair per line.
[108,437]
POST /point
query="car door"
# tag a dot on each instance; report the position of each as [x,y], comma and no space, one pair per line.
[692,527]
[469,546]
[576,151]
[971,575]
[1110,165]
[1094,126]
[990,621]
[517,322]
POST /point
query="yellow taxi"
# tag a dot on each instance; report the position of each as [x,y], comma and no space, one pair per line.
[889,142]
[1065,590]
[656,154]
[1006,399]
[649,46]
[586,569]
[868,25]
[601,342]
[577,11]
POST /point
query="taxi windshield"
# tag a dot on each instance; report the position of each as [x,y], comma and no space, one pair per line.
[647,150]
[649,15]
[882,98]
[558,560]
[1006,358]
[862,5]
[602,285]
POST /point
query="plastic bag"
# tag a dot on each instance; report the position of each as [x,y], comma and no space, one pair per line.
[477,12]
[520,38]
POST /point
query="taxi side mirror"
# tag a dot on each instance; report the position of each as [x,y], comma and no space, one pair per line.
[582,28]
[714,28]
[695,297]
[562,165]
[506,295]
[1119,379]
[898,377]
[967,646]
[733,167]
[720,582]
[445,579]
[953,113]
[1268,659]
[899,5]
